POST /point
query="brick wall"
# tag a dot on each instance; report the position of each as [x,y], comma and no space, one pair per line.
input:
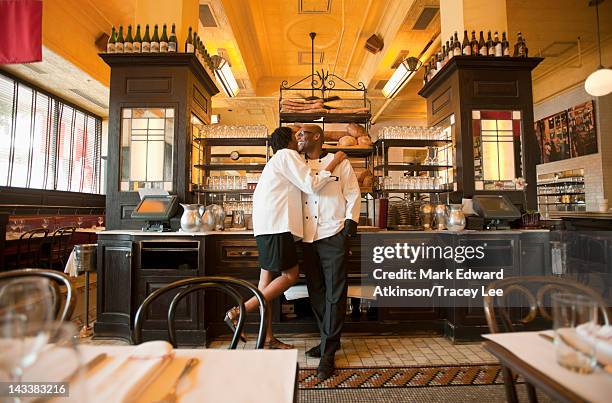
[597,167]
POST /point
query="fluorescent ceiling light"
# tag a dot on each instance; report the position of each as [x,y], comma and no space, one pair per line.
[401,76]
[224,74]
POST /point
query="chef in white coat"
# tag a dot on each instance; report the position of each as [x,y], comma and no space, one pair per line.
[277,220]
[330,218]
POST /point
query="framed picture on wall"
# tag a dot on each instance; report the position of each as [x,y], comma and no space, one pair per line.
[582,130]
[555,138]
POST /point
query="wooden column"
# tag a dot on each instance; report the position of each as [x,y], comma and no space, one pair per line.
[468,83]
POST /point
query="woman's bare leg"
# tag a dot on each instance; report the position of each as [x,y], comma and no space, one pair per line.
[272,288]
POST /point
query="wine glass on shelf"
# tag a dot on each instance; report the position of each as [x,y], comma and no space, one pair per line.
[14,226]
[79,221]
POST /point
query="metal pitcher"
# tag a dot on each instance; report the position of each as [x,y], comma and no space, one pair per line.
[440,214]
[191,220]
[456,218]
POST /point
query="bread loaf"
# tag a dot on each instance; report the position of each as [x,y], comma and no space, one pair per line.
[334,135]
[368,181]
[347,141]
[364,141]
[356,130]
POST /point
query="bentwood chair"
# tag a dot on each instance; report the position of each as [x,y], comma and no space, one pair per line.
[227,285]
[29,248]
[59,247]
[536,291]
[57,279]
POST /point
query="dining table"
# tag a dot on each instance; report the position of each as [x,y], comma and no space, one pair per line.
[531,355]
[220,375]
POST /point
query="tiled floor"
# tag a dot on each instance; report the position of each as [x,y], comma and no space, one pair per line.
[388,351]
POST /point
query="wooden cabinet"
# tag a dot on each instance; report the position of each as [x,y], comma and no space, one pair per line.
[172,86]
[114,288]
[133,266]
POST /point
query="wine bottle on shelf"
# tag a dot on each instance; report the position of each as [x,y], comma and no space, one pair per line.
[433,69]
[444,54]
[163,42]
[449,48]
[474,44]
[110,45]
[467,48]
[137,44]
[129,40]
[189,42]
[490,45]
[155,40]
[520,49]
[456,46]
[439,61]
[120,40]
[145,46]
[426,75]
[498,46]
[482,46]
[172,41]
[505,45]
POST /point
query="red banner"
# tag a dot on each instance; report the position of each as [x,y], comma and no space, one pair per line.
[20,31]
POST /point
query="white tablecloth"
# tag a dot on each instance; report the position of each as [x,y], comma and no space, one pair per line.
[266,376]
[539,353]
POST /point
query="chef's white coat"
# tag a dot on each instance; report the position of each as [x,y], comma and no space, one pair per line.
[326,210]
[277,200]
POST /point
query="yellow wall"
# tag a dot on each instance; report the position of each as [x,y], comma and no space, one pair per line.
[70,29]
[569,73]
[477,15]
[183,13]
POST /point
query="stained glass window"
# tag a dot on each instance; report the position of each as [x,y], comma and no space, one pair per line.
[497,149]
[147,137]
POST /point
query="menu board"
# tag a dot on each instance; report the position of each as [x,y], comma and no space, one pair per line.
[567,134]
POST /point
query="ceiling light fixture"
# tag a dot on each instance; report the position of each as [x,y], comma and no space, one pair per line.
[599,83]
[401,76]
[224,74]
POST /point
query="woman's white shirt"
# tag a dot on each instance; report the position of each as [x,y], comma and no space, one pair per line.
[277,200]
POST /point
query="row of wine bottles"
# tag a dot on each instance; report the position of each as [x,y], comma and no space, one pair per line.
[137,43]
[165,43]
[474,47]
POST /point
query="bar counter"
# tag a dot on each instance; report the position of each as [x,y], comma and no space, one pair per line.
[132,264]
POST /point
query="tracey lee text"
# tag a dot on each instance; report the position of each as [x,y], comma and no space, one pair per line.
[435,291]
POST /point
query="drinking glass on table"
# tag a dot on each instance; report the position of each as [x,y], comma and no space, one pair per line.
[26,356]
[100,221]
[80,221]
[571,314]
[26,310]
[20,225]
[45,223]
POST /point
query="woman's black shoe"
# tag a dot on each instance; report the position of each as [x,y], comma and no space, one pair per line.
[314,352]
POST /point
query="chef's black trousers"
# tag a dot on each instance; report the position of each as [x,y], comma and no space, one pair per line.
[326,277]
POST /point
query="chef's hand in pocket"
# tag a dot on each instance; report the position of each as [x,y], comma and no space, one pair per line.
[350,228]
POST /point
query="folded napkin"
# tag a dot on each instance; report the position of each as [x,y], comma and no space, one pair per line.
[126,381]
[71,267]
[296,292]
[598,336]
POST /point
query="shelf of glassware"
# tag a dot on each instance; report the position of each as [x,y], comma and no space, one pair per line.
[433,175]
[561,191]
